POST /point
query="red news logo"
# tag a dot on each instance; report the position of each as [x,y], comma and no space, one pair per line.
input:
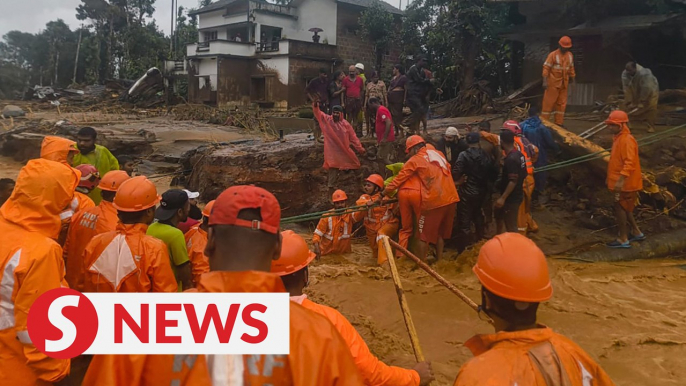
[64,323]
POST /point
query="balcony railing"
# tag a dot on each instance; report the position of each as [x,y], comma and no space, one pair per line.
[228,47]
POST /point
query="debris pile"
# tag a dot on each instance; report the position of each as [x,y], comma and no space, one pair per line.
[252,121]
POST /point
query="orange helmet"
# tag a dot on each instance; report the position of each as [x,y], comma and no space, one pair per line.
[376,180]
[112,180]
[565,42]
[339,195]
[136,194]
[208,208]
[513,267]
[617,117]
[295,255]
[89,176]
[413,141]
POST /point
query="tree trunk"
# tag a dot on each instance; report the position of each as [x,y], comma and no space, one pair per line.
[470,47]
[76,61]
[57,65]
[108,70]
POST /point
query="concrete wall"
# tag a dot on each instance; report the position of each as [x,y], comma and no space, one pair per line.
[217,18]
[277,77]
[352,48]
[309,14]
[302,71]
[234,82]
[208,66]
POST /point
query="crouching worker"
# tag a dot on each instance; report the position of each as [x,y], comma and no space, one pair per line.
[380,220]
[514,280]
[292,266]
[333,232]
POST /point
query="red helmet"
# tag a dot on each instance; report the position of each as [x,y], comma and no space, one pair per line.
[513,267]
[376,180]
[295,255]
[512,126]
[339,195]
[90,178]
[413,141]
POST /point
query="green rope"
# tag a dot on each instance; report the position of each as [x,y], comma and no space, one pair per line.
[331,213]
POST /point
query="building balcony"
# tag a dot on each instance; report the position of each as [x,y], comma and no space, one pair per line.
[232,48]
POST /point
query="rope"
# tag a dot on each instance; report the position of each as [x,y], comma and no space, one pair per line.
[648,140]
[332,213]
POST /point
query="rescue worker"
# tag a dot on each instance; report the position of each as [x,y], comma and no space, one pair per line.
[173,209]
[380,220]
[339,136]
[92,154]
[558,72]
[30,265]
[490,143]
[6,189]
[473,169]
[385,133]
[333,232]
[451,145]
[641,91]
[292,267]
[108,260]
[539,136]
[243,239]
[439,196]
[196,240]
[89,223]
[624,179]
[525,221]
[509,185]
[409,204]
[514,280]
[63,150]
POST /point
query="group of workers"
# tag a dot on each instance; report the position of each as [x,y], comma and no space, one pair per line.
[640,86]
[238,256]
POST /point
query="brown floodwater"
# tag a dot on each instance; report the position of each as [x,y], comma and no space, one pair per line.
[630,316]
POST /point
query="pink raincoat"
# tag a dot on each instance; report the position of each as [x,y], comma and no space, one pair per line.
[338,136]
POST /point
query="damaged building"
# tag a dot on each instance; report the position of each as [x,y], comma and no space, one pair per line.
[601,47]
[251,52]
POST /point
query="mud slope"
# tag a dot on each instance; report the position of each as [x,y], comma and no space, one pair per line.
[631,317]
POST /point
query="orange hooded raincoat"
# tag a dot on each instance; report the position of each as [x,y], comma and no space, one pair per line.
[624,162]
[378,221]
[333,233]
[127,260]
[338,137]
[374,372]
[433,170]
[196,240]
[531,357]
[85,225]
[318,356]
[31,264]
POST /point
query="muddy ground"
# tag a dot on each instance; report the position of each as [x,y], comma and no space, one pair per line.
[630,316]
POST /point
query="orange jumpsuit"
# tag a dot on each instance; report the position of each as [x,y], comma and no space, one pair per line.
[531,357]
[558,68]
[333,233]
[127,260]
[318,354]
[373,371]
[624,162]
[196,240]
[409,201]
[437,186]
[85,225]
[378,221]
[30,265]
[525,221]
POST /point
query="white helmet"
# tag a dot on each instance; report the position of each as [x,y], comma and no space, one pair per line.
[360,66]
[452,131]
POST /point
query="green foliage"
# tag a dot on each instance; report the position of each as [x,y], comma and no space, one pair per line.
[461,38]
[378,25]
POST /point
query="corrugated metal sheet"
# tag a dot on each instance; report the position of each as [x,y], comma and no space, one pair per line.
[581,94]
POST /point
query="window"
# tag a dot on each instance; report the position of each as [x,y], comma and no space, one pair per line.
[210,36]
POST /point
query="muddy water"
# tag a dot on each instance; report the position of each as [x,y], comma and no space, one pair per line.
[630,317]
